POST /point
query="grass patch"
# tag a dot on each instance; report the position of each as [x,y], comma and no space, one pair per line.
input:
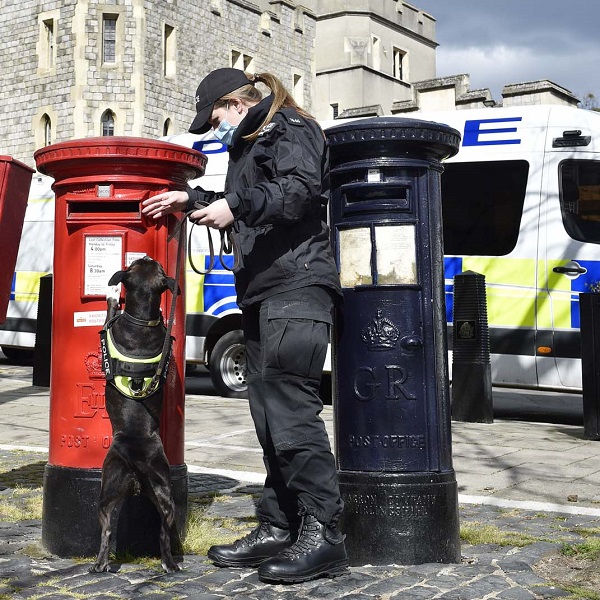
[205,531]
[21,504]
[586,531]
[588,550]
[50,582]
[35,550]
[151,563]
[579,593]
[476,534]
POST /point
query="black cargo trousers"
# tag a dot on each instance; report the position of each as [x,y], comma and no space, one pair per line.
[286,343]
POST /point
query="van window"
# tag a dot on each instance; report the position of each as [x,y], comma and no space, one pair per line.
[482,204]
[580,199]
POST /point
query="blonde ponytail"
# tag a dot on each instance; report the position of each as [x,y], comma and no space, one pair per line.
[281,99]
[249,94]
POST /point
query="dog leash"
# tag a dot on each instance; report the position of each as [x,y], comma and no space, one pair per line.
[163,365]
[228,245]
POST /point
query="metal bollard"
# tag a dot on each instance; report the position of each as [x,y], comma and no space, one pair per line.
[589,309]
[42,353]
[471,370]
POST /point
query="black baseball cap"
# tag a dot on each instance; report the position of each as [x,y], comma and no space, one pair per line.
[215,85]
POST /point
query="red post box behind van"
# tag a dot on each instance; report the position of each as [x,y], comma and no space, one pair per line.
[15,181]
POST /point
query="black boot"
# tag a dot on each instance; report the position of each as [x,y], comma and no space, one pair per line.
[319,551]
[261,543]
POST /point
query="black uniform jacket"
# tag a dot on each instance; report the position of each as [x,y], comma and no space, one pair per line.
[277,187]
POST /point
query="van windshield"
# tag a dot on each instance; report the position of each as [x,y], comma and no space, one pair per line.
[580,199]
[482,205]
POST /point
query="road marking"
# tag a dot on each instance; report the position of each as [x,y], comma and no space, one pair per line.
[223,446]
[240,476]
[41,449]
[223,436]
[529,505]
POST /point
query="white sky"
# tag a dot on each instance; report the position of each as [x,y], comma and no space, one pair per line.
[499,42]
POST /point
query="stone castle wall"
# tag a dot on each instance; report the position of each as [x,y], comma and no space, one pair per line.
[77,88]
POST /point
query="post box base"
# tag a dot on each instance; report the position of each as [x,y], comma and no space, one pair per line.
[70,523]
[401,518]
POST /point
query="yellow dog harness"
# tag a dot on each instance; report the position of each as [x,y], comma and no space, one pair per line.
[133,377]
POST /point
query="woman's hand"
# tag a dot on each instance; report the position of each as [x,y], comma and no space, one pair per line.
[164,204]
[216,215]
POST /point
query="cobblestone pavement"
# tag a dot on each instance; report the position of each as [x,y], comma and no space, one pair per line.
[491,570]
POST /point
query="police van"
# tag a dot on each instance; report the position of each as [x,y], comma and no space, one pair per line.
[521,206]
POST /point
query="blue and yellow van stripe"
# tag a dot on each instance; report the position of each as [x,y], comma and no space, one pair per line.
[203,292]
[512,324]
[505,280]
[25,286]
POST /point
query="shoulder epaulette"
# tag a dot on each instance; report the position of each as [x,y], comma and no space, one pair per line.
[292,117]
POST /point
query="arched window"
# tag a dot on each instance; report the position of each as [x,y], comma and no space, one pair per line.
[47,127]
[167,126]
[107,123]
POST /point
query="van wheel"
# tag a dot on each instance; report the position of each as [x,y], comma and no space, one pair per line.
[20,355]
[227,365]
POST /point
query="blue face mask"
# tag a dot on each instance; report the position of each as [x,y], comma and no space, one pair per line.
[225,130]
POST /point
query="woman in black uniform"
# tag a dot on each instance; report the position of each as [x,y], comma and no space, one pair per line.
[275,196]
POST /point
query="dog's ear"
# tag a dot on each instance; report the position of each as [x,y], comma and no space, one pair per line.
[117,278]
[172,285]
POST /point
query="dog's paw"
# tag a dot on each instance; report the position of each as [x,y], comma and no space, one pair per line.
[171,567]
[113,292]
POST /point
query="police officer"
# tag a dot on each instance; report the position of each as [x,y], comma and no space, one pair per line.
[275,196]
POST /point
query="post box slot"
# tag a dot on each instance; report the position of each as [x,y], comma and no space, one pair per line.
[369,197]
[81,208]
[123,211]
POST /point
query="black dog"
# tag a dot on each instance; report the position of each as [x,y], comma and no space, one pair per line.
[136,462]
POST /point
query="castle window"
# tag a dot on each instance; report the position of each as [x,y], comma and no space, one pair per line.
[47,127]
[298,89]
[109,38]
[376,52]
[242,61]
[107,123]
[169,51]
[399,66]
[46,46]
[167,127]
[49,42]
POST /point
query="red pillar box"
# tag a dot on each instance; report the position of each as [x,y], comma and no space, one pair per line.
[15,181]
[100,184]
